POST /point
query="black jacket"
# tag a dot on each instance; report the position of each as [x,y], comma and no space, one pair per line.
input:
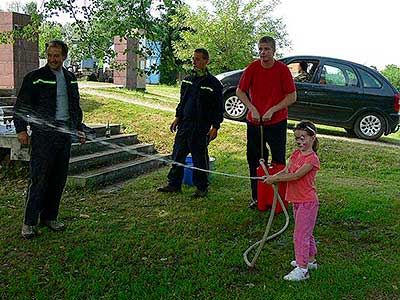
[206,92]
[38,99]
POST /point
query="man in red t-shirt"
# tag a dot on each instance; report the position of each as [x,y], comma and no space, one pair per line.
[267,89]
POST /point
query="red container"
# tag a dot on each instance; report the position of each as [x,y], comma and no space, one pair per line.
[265,192]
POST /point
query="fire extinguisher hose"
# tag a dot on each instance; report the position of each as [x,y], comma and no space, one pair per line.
[265,237]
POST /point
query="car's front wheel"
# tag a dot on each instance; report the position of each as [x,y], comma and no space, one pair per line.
[234,108]
[369,126]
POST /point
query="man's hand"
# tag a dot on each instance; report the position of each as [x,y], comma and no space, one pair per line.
[268,115]
[174,124]
[82,137]
[23,138]
[212,133]
[255,115]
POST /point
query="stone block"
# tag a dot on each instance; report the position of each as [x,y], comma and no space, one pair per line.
[17,59]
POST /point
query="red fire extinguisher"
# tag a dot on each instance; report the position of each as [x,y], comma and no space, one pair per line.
[265,192]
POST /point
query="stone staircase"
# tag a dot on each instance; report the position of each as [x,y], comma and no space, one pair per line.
[102,161]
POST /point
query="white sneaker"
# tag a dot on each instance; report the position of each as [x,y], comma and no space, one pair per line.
[311,265]
[297,274]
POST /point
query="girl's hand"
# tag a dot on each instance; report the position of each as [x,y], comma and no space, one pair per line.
[269,180]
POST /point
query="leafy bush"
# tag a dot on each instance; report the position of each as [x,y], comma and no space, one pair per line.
[392,73]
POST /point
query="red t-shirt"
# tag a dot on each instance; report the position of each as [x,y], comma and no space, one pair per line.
[303,189]
[267,87]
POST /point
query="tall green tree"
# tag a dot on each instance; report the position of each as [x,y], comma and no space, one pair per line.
[96,23]
[166,34]
[229,31]
[49,31]
[392,73]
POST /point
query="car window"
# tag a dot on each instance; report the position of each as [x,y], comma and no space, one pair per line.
[369,81]
[302,70]
[340,75]
[352,78]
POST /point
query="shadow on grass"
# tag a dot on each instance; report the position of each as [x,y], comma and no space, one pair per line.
[89,104]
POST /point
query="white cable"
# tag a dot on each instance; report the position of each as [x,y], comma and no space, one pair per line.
[152,156]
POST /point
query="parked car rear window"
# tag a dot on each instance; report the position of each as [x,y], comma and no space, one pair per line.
[369,81]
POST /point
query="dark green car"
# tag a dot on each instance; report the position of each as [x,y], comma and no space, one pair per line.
[335,92]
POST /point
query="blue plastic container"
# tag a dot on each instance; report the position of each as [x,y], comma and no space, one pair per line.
[188,173]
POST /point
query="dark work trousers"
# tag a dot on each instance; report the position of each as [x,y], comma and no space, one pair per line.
[50,152]
[191,137]
[275,136]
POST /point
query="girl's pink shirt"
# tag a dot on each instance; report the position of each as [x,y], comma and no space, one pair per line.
[303,189]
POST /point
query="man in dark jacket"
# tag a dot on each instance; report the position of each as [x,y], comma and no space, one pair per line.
[48,102]
[197,120]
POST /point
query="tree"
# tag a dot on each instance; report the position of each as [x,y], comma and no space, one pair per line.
[392,73]
[229,32]
[29,31]
[97,22]
[15,6]
[30,8]
[166,33]
[94,24]
[49,31]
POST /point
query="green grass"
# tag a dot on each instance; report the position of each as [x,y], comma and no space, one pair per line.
[160,95]
[168,96]
[139,244]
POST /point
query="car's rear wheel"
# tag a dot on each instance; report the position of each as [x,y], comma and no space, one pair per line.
[234,108]
[369,126]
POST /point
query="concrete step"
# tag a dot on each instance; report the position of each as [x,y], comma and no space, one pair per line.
[7,100]
[7,110]
[5,118]
[101,144]
[116,172]
[107,157]
[17,151]
[100,129]
[4,92]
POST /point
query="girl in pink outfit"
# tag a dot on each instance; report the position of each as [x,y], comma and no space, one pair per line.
[300,175]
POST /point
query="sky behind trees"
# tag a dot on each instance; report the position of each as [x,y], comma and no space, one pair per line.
[364,31]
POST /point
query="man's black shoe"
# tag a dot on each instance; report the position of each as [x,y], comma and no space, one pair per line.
[28,231]
[169,189]
[199,194]
[253,204]
[53,225]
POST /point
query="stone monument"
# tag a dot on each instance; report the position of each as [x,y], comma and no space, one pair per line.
[129,62]
[19,58]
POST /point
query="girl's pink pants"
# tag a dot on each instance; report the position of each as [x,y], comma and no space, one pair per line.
[305,215]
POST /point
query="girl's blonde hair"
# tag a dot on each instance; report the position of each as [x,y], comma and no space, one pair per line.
[311,130]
